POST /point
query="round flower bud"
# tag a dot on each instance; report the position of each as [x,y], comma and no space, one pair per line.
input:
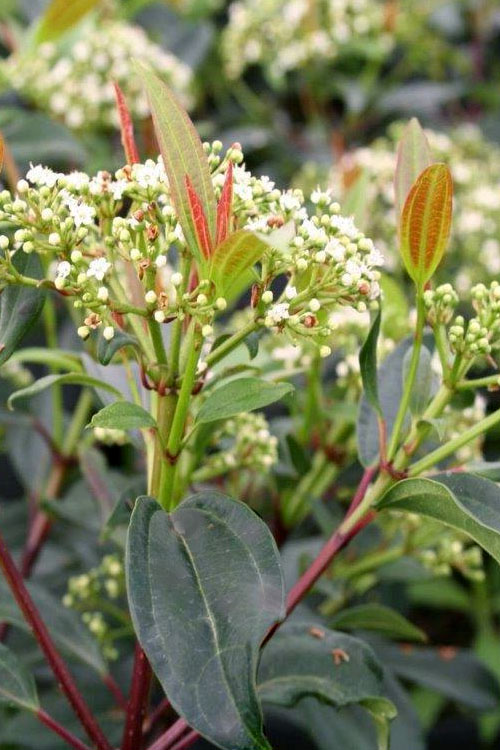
[161,261]
[159,316]
[314,305]
[22,186]
[301,264]
[176,278]
[54,238]
[150,297]
[220,303]
[76,256]
[207,330]
[47,214]
[135,254]
[201,299]
[59,282]
[108,333]
[267,297]
[102,294]
[83,332]
[28,247]
[4,242]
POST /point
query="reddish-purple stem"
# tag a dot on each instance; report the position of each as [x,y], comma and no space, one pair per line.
[170,736]
[60,730]
[58,666]
[137,701]
[186,741]
[115,690]
[155,715]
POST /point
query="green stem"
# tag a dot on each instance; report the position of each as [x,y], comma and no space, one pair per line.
[410,379]
[449,448]
[50,325]
[478,382]
[158,346]
[231,343]
[77,424]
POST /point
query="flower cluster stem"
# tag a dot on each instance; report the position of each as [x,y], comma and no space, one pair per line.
[137,703]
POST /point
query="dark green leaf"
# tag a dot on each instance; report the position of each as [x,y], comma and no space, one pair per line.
[204,586]
[487,469]
[107,349]
[422,387]
[453,672]
[183,156]
[243,394]
[368,364]
[380,618]
[71,378]
[463,501]
[304,660]
[123,415]
[20,306]
[17,686]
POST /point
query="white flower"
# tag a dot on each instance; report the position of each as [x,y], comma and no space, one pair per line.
[98,268]
[345,225]
[277,314]
[81,213]
[63,269]
[42,175]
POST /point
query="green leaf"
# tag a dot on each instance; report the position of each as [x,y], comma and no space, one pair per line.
[61,15]
[456,673]
[413,157]
[396,308]
[107,349]
[243,394]
[304,660]
[368,364]
[123,415]
[183,155]
[463,501]
[355,201]
[71,378]
[422,387]
[40,355]
[204,586]
[65,625]
[20,305]
[380,618]
[17,686]
[487,469]
[233,257]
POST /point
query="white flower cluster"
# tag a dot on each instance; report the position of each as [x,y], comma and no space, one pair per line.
[75,83]
[243,442]
[286,35]
[475,166]
[78,222]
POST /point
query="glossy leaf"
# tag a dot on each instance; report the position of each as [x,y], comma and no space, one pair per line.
[123,415]
[183,156]
[379,618]
[426,222]
[204,585]
[238,253]
[65,625]
[368,364]
[463,501]
[413,157]
[17,686]
[20,306]
[304,660]
[70,378]
[242,394]
[61,15]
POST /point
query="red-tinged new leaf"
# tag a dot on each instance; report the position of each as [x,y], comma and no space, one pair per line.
[426,222]
[224,207]
[126,127]
[183,154]
[199,220]
[61,15]
[413,157]
[236,255]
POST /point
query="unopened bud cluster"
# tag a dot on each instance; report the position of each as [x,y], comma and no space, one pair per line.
[481,334]
[74,83]
[244,442]
[440,304]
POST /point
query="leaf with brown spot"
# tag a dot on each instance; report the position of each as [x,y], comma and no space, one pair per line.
[426,222]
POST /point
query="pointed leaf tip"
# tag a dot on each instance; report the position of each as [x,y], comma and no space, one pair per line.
[224,207]
[413,157]
[199,219]
[126,127]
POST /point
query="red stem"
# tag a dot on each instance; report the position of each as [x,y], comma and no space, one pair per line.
[60,730]
[186,741]
[58,666]
[170,736]
[155,715]
[137,702]
[115,690]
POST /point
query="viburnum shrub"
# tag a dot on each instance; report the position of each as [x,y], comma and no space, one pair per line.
[201,295]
